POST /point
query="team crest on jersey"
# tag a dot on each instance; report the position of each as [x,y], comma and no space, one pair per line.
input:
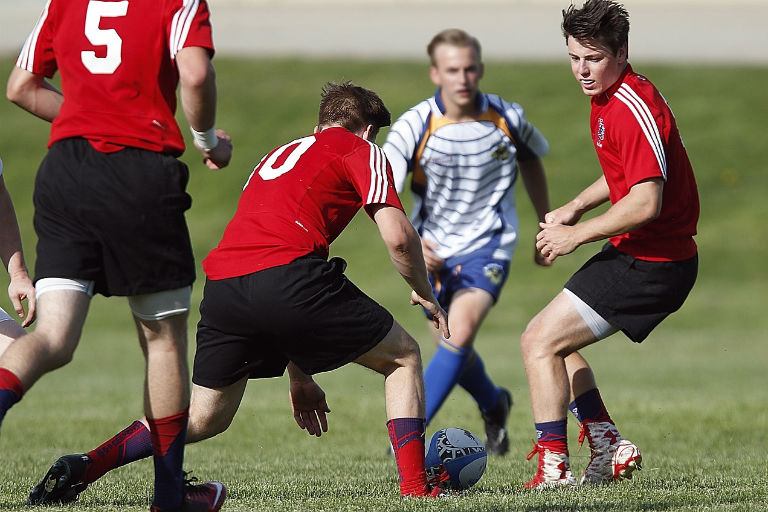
[600,132]
[501,152]
[446,160]
[494,272]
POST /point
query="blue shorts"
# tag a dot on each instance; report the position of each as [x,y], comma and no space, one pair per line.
[476,270]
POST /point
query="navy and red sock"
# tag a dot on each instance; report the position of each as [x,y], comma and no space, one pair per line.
[168,437]
[131,444]
[553,435]
[11,391]
[589,406]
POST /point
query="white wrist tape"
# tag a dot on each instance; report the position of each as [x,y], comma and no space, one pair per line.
[206,140]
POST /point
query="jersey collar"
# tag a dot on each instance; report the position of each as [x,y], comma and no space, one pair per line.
[607,95]
[481,100]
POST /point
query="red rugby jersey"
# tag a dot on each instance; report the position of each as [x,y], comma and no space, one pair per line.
[116,61]
[299,198]
[636,138]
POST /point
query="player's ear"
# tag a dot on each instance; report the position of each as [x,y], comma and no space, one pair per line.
[434,75]
[481,70]
[621,55]
[369,133]
[317,129]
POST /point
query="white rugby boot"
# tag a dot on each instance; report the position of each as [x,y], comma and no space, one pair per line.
[554,469]
[612,457]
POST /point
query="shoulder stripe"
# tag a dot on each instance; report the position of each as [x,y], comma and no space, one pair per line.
[182,20]
[26,58]
[377,192]
[645,119]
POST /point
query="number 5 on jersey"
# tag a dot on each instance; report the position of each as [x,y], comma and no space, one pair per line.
[99,37]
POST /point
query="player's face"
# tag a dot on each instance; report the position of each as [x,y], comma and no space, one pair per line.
[596,69]
[457,70]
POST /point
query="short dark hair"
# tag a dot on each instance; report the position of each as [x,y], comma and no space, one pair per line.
[352,107]
[603,23]
[453,37]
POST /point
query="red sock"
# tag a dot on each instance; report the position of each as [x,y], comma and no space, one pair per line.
[407,437]
[131,444]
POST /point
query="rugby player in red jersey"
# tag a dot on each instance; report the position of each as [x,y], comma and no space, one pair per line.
[110,200]
[645,270]
[273,301]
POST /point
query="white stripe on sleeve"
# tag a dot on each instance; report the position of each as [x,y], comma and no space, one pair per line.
[645,119]
[182,20]
[26,58]
[377,192]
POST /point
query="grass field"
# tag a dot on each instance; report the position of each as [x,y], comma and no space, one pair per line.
[693,396]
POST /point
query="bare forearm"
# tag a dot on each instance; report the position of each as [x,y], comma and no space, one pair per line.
[10,238]
[404,246]
[35,95]
[634,210]
[535,182]
[197,80]
[409,262]
[561,234]
[592,196]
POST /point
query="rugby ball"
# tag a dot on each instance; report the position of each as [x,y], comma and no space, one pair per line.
[455,458]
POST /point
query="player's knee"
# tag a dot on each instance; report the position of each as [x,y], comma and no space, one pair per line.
[462,337]
[404,353]
[58,355]
[398,349]
[410,353]
[204,425]
[531,342]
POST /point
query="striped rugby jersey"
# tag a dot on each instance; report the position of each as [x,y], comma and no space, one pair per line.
[117,66]
[464,173]
[636,138]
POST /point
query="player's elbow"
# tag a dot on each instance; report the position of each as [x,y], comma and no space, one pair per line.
[646,199]
[15,90]
[398,243]
[195,69]
[197,77]
[649,210]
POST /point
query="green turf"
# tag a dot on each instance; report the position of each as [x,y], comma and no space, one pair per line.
[693,396]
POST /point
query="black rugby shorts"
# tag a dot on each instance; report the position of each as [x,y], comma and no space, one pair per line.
[306,311]
[633,294]
[113,218]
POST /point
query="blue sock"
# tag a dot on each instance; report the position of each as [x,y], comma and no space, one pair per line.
[442,373]
[589,406]
[477,382]
[575,410]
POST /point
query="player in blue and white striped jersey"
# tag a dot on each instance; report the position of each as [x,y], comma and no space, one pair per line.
[464,150]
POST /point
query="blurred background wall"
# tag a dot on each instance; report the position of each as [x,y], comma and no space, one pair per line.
[689,31]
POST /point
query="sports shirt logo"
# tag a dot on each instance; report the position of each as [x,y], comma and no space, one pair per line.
[600,132]
[501,152]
